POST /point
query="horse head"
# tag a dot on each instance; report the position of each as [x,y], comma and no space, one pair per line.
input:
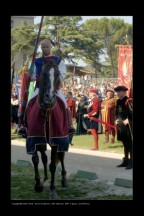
[50,80]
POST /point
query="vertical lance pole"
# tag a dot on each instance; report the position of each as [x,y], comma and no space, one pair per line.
[13,71]
[31,70]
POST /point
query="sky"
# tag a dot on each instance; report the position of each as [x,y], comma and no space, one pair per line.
[127,19]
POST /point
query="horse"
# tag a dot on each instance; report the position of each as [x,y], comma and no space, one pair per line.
[50,108]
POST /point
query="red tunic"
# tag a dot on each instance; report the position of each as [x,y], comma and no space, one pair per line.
[72,107]
[94,107]
[94,111]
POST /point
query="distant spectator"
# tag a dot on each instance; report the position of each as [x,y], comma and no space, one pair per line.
[71,105]
[80,120]
[14,111]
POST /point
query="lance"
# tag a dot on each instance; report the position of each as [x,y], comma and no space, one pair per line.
[13,71]
[31,70]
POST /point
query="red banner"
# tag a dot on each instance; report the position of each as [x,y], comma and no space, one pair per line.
[125,66]
[24,85]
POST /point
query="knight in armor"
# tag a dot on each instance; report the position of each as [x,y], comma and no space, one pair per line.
[93,110]
[124,114]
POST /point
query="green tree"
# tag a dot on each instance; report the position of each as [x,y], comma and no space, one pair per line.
[90,45]
[110,32]
[63,30]
[72,41]
[23,39]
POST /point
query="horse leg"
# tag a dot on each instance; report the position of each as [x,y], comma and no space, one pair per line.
[35,159]
[61,156]
[45,160]
[52,167]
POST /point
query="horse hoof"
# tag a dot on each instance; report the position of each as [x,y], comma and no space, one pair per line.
[64,183]
[53,195]
[38,188]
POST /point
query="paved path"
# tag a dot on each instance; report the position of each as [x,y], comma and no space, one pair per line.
[101,163]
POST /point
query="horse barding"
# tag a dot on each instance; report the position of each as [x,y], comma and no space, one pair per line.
[46,120]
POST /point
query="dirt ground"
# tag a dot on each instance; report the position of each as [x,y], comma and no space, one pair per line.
[101,163]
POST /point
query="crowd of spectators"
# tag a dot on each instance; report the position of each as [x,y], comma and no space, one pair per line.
[82,84]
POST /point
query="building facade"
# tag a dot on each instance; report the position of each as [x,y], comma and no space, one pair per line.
[16,20]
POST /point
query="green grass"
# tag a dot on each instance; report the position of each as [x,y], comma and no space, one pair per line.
[86,142]
[15,135]
[22,178]
[22,187]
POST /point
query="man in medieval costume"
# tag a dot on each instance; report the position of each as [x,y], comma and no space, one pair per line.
[14,111]
[108,115]
[71,103]
[35,119]
[93,110]
[81,127]
[124,115]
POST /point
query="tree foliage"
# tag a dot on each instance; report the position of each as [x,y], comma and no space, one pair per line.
[74,40]
[23,39]
[109,32]
[63,30]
